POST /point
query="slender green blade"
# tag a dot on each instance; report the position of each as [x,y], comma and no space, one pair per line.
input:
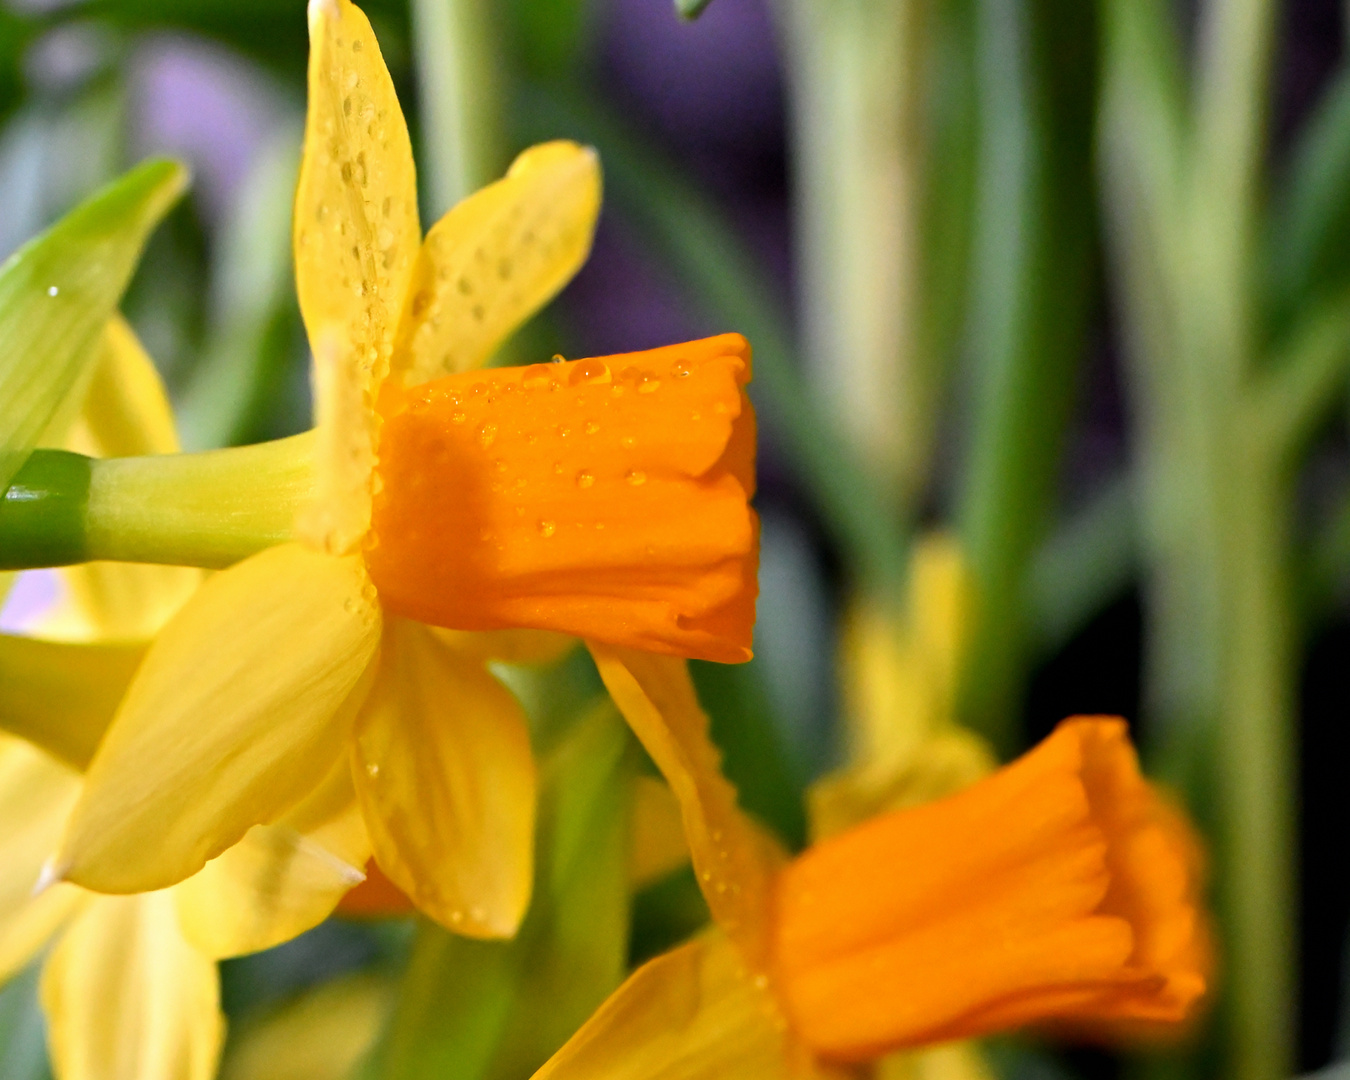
[58,291]
[690,9]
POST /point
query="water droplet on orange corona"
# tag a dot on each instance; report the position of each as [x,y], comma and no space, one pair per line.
[590,371]
[635,477]
[547,528]
[487,433]
[585,479]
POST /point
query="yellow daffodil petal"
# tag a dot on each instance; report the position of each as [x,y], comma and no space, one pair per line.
[656,833]
[127,998]
[446,779]
[62,696]
[509,646]
[949,1061]
[36,794]
[279,880]
[125,412]
[734,859]
[694,1013]
[238,711]
[356,233]
[496,258]
[322,1036]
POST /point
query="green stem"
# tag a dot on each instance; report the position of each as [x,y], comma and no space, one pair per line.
[207,509]
[459,75]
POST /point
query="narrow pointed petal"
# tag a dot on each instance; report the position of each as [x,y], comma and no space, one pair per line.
[127,998]
[279,880]
[734,859]
[62,696]
[695,1013]
[238,711]
[446,779]
[356,234]
[125,412]
[496,258]
[36,795]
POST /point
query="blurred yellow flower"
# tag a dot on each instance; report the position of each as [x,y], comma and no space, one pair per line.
[313,659]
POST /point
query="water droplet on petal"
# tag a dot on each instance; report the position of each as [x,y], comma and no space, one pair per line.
[628,442]
[636,477]
[590,371]
[487,433]
[585,479]
[648,384]
[592,427]
[559,358]
[372,769]
[53,290]
[547,528]
[458,417]
[680,369]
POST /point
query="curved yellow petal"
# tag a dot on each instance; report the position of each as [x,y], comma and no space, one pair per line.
[238,711]
[356,233]
[126,410]
[323,1036]
[496,258]
[279,880]
[734,859]
[127,998]
[948,1061]
[694,1013]
[509,646]
[446,779]
[36,795]
[62,696]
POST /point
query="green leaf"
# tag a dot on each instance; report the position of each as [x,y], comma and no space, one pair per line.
[23,1042]
[58,291]
[486,1010]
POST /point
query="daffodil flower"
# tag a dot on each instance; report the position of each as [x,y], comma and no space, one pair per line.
[1060,889]
[603,498]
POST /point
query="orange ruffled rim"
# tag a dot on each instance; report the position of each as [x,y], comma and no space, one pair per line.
[1061,888]
[606,498]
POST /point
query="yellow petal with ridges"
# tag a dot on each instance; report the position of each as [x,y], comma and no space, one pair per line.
[496,258]
[446,779]
[36,794]
[356,233]
[279,880]
[127,998]
[324,1035]
[692,1014]
[239,710]
[125,412]
[734,859]
[62,696]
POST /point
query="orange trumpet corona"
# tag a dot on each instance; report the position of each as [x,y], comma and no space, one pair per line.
[1059,889]
[606,498]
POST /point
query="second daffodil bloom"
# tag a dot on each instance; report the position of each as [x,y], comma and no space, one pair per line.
[1061,889]
[605,498]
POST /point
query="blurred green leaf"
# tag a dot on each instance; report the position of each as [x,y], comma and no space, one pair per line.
[700,244]
[489,1010]
[58,291]
[754,756]
[666,913]
[23,1038]
[14,33]
[1308,235]
[1031,296]
[551,36]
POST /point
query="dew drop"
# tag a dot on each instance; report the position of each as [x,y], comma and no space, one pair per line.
[761,982]
[53,290]
[590,371]
[456,917]
[680,369]
[487,433]
[564,432]
[585,479]
[558,358]
[628,442]
[458,417]
[648,384]
[636,477]
[546,528]
[592,427]
[372,769]
[478,914]
[557,468]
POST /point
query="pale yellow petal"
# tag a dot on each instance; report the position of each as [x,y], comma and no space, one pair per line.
[110,601]
[356,233]
[240,708]
[949,1061]
[496,258]
[446,779]
[279,880]
[509,646]
[36,794]
[657,844]
[692,1014]
[62,696]
[127,998]
[734,859]
[126,410]
[323,1036]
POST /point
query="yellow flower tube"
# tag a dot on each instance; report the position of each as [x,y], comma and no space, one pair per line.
[604,498]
